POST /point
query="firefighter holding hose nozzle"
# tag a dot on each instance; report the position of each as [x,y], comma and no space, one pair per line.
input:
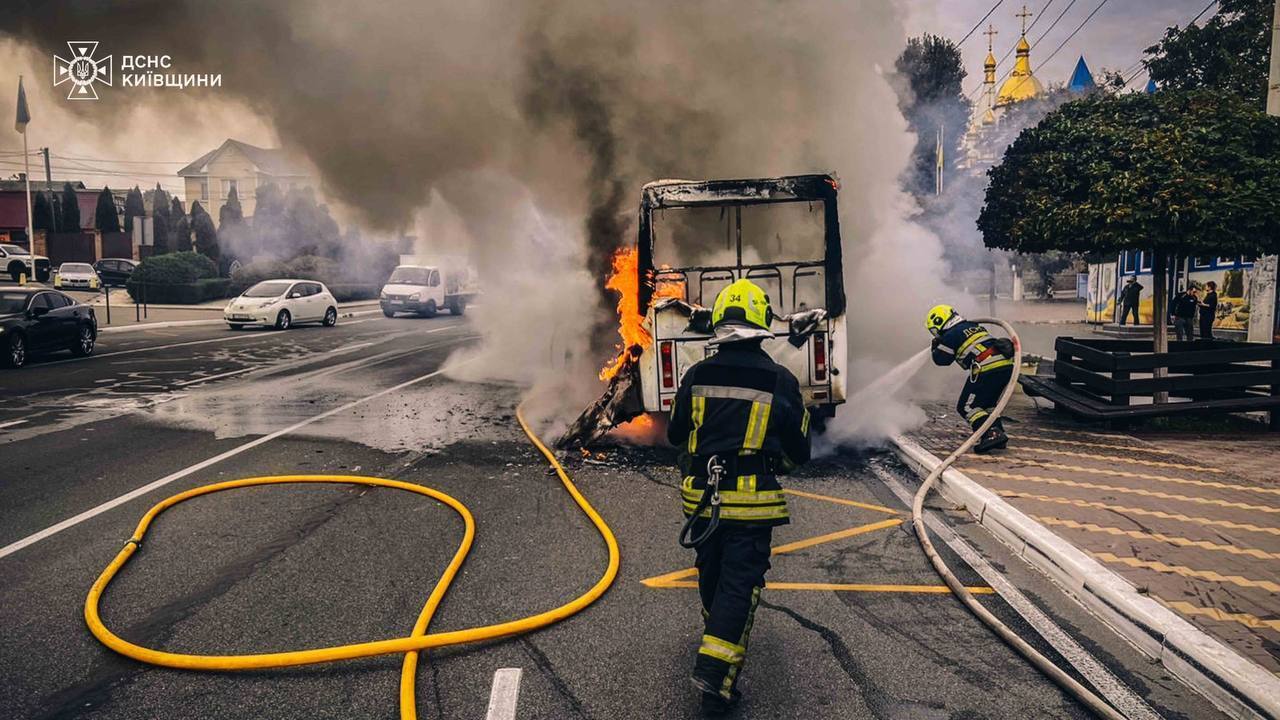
[989,361]
[740,421]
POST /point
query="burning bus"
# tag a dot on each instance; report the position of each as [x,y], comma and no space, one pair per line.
[697,237]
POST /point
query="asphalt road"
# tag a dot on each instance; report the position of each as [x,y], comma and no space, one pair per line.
[855,630]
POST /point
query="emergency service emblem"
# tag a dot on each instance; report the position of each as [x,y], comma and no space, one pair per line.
[82,70]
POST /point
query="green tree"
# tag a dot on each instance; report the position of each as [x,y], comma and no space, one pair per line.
[70,219]
[230,212]
[1229,53]
[105,218]
[206,234]
[133,207]
[180,225]
[42,213]
[931,97]
[1177,173]
[161,228]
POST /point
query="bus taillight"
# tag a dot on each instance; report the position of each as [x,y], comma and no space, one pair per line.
[819,357]
[666,350]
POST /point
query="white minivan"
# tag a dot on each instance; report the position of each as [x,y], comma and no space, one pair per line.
[282,304]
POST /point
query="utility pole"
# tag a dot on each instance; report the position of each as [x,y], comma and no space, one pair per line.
[1273,82]
[48,176]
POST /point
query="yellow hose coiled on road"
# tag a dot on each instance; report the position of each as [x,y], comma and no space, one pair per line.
[417,640]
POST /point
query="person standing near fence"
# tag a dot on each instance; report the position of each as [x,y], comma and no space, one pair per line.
[1208,310]
[1183,311]
[1130,297]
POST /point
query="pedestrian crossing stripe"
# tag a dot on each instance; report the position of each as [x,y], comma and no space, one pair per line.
[1111,458]
[1184,571]
[687,578]
[1115,488]
[1126,510]
[1245,619]
[1082,443]
[1161,537]
[1126,474]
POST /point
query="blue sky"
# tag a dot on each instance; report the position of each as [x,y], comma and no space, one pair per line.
[1114,38]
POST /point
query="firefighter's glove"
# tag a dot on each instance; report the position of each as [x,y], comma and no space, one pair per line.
[933,344]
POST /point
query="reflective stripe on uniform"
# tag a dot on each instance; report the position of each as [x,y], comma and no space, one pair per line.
[737,497]
[732,393]
[726,688]
[696,414]
[969,341]
[747,483]
[804,423]
[976,414]
[1005,362]
[722,650]
[772,511]
[945,349]
[757,424]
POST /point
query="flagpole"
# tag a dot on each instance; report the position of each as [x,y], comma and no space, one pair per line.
[31,235]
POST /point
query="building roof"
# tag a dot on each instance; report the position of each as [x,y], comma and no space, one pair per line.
[1081,79]
[1021,84]
[37,185]
[270,161]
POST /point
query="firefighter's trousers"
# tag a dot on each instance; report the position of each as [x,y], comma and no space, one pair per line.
[981,393]
[731,566]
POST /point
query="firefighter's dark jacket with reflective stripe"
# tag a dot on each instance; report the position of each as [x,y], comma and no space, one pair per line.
[969,345]
[743,407]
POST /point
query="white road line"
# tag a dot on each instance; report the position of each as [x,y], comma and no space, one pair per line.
[207,378]
[256,336]
[11,423]
[110,504]
[504,695]
[1121,696]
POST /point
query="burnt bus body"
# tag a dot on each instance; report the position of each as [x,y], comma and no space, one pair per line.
[696,237]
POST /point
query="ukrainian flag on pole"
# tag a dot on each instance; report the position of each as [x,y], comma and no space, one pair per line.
[24,114]
[20,124]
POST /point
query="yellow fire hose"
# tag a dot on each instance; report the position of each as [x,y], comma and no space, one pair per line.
[1041,663]
[417,640]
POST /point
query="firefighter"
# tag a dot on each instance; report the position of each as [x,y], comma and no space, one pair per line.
[989,361]
[740,422]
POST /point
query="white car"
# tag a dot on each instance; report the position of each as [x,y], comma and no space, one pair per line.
[76,276]
[282,304]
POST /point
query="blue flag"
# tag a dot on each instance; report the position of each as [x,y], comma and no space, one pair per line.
[24,115]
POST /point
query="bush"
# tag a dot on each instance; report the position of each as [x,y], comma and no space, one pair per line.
[183,293]
[184,268]
[306,267]
[347,292]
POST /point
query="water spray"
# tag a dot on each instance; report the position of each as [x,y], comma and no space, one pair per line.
[1041,663]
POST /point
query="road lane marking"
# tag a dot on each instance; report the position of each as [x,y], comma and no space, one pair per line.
[219,376]
[850,587]
[1125,510]
[1115,488]
[842,501]
[1121,696]
[1126,474]
[11,423]
[1184,571]
[1113,458]
[505,694]
[1245,619]
[34,538]
[1160,537]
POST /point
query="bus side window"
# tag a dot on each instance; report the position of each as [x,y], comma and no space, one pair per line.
[810,289]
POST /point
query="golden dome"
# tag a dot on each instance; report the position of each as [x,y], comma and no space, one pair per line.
[1022,84]
[989,69]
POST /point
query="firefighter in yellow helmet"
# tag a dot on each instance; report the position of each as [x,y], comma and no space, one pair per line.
[989,361]
[740,422]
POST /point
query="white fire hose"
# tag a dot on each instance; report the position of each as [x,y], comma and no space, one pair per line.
[1065,681]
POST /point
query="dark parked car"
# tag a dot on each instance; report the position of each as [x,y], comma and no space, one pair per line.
[33,321]
[115,272]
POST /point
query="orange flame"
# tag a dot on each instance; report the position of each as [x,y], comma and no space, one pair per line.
[641,430]
[625,281]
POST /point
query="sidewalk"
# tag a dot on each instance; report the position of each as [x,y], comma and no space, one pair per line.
[1191,518]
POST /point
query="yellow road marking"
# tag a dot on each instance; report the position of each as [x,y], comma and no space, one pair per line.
[1161,537]
[842,501]
[1114,458]
[1124,510]
[1114,488]
[1246,619]
[1080,443]
[1184,571]
[668,578]
[849,587]
[1127,474]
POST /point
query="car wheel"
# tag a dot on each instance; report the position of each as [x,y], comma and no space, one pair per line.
[330,317]
[42,276]
[458,306]
[15,355]
[283,320]
[235,326]
[430,310]
[15,272]
[389,313]
[85,341]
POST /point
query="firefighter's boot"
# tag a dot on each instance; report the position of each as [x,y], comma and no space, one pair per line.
[713,703]
[993,439]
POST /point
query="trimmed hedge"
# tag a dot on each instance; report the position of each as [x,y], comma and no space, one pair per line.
[347,292]
[183,293]
[306,267]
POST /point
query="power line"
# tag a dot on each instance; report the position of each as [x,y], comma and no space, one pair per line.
[1073,32]
[1040,39]
[979,24]
[127,162]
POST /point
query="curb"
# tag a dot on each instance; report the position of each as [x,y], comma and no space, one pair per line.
[1237,685]
[189,323]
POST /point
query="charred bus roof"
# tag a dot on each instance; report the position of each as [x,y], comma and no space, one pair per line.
[691,193]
